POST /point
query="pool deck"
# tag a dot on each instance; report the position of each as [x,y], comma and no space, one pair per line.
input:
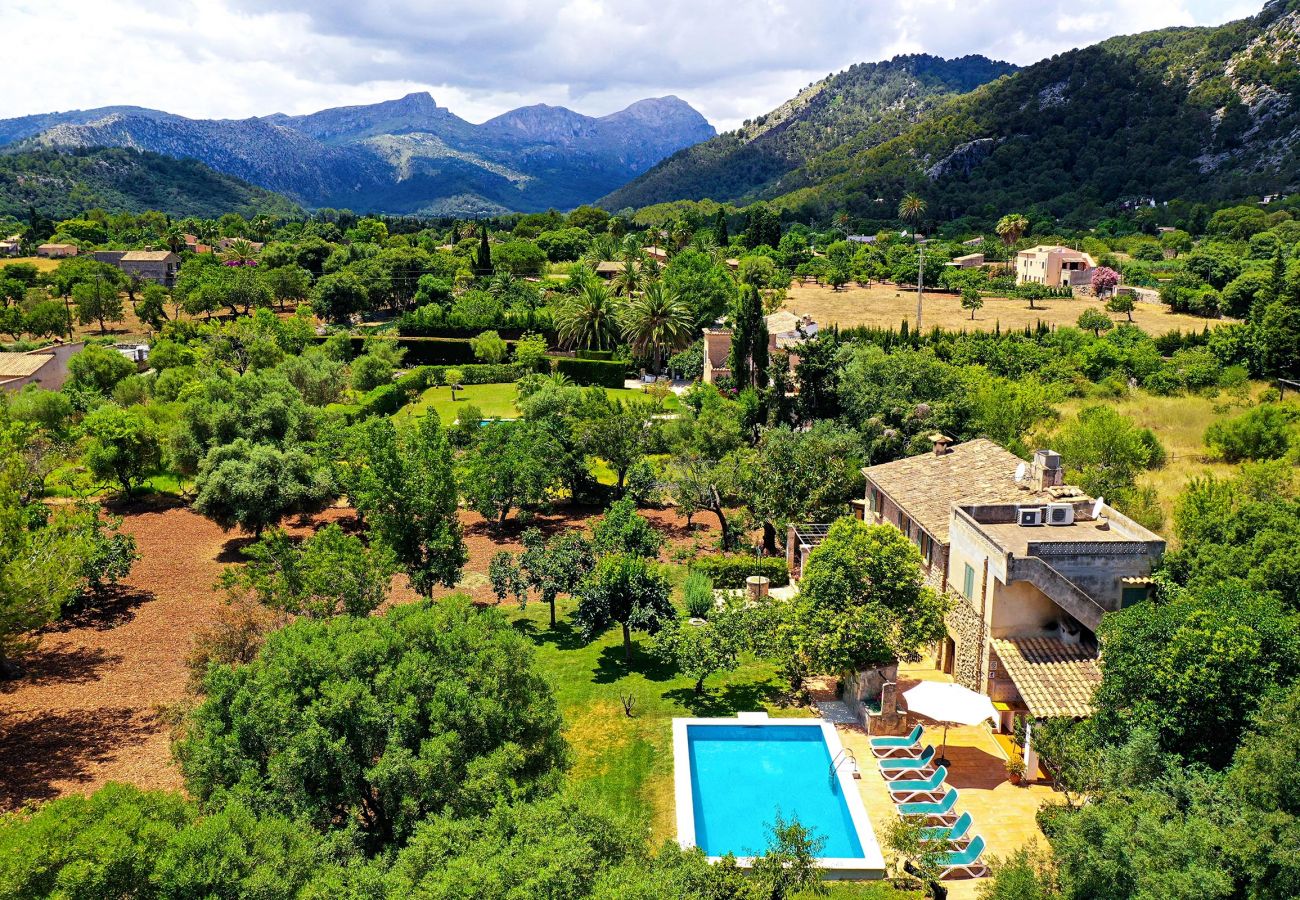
[1002,813]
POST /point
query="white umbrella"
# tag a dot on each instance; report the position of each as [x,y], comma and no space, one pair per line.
[949,704]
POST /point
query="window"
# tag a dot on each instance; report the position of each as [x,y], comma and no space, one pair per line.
[968,582]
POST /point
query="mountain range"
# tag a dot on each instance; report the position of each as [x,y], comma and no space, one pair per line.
[862,106]
[1199,114]
[406,156]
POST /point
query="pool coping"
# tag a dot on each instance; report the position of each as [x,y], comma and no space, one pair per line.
[870,865]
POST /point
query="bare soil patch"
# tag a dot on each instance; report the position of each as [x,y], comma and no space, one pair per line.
[887,305]
[89,705]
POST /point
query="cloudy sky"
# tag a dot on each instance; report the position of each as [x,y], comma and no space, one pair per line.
[731,59]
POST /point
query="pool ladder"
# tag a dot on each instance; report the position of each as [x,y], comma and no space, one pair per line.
[844,755]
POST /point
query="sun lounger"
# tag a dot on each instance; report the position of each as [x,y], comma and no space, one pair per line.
[908,745]
[940,809]
[966,861]
[949,834]
[916,788]
[905,768]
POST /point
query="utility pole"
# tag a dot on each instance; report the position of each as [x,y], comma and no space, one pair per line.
[920,280]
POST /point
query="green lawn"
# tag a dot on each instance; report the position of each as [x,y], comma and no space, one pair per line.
[627,763]
[493,401]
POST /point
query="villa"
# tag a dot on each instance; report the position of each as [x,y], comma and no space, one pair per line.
[1032,565]
[1054,266]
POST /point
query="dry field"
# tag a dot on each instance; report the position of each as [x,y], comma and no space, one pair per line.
[885,305]
[40,262]
[89,706]
[1180,423]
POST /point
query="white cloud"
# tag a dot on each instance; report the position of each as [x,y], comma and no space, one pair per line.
[236,58]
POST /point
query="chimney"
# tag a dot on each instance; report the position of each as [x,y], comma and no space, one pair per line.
[942,444]
[1046,470]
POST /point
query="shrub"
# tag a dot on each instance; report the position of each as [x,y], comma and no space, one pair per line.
[488,347]
[730,572]
[697,592]
[1265,432]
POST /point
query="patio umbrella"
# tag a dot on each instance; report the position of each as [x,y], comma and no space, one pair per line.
[948,704]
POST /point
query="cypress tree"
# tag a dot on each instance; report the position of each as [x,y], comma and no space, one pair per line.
[720,229]
[483,262]
[749,340]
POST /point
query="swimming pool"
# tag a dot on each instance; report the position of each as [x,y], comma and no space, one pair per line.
[734,776]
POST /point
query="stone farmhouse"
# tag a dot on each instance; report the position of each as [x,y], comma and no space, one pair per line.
[1054,266]
[1031,563]
[158,266]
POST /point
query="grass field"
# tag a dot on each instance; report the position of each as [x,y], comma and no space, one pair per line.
[886,306]
[495,401]
[40,262]
[1179,422]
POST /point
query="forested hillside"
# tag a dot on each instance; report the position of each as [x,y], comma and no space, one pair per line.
[859,107]
[61,184]
[1191,113]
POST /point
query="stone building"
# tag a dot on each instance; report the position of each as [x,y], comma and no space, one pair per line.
[1054,266]
[1031,563]
[159,266]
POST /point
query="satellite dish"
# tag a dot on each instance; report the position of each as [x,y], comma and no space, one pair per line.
[1020,472]
[1096,507]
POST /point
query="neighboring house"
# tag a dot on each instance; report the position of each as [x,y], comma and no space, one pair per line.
[969,261]
[159,266]
[1032,565]
[861,239]
[1054,266]
[656,253]
[610,269]
[224,244]
[112,257]
[973,242]
[47,367]
[785,331]
[193,244]
[11,246]
[137,353]
[56,251]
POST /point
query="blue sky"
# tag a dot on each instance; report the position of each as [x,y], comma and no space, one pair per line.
[731,60]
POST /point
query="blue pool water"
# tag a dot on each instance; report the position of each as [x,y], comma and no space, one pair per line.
[743,775]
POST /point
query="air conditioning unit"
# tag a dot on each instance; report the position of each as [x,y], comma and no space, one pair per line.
[1031,515]
[1060,513]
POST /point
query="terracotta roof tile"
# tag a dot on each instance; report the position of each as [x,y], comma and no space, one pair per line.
[1054,678]
[20,365]
[926,487]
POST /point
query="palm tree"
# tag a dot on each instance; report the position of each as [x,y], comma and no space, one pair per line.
[910,209]
[239,252]
[174,238]
[588,320]
[261,227]
[1011,227]
[656,321]
[628,281]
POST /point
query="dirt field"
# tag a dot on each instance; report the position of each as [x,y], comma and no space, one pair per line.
[886,306]
[87,708]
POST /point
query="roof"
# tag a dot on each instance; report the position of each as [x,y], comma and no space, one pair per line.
[1067,252]
[782,322]
[1054,678]
[20,365]
[926,487]
[149,256]
[57,247]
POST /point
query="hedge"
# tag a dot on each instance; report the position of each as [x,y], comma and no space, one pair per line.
[730,572]
[594,354]
[593,371]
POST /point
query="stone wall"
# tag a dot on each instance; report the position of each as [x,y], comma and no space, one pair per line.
[967,630]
